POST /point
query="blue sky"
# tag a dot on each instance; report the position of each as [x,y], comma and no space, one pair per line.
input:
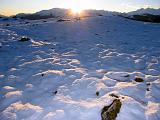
[10,7]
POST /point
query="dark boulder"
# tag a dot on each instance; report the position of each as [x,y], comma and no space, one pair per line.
[138,79]
[23,39]
[110,112]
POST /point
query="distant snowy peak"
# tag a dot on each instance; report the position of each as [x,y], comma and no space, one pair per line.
[145,11]
[53,12]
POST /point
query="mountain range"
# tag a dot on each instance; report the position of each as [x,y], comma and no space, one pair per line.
[145,11]
[151,14]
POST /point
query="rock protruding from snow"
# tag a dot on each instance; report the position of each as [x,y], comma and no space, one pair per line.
[110,112]
[23,39]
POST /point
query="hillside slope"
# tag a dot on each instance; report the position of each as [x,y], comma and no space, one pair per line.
[71,69]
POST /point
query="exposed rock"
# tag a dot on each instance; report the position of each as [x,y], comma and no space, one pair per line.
[148,84]
[126,76]
[55,92]
[97,93]
[23,39]
[7,24]
[139,79]
[27,22]
[113,95]
[147,89]
[62,20]
[110,112]
[42,74]
[96,34]
[100,15]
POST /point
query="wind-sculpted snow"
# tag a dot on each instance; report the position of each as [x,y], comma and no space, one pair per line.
[72,69]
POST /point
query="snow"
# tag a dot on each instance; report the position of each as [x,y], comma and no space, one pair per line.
[145,11]
[56,75]
[14,93]
[20,111]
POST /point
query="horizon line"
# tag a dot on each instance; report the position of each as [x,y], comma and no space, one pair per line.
[83,10]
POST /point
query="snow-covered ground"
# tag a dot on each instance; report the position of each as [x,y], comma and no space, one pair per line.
[56,75]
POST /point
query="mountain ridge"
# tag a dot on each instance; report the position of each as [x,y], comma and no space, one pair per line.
[142,11]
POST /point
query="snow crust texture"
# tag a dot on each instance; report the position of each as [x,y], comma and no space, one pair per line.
[57,73]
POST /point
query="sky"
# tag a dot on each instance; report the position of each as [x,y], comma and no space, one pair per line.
[11,7]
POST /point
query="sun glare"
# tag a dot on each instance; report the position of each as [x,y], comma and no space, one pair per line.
[77,6]
[76,10]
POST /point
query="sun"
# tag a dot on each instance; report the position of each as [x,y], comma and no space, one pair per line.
[76,10]
[77,6]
